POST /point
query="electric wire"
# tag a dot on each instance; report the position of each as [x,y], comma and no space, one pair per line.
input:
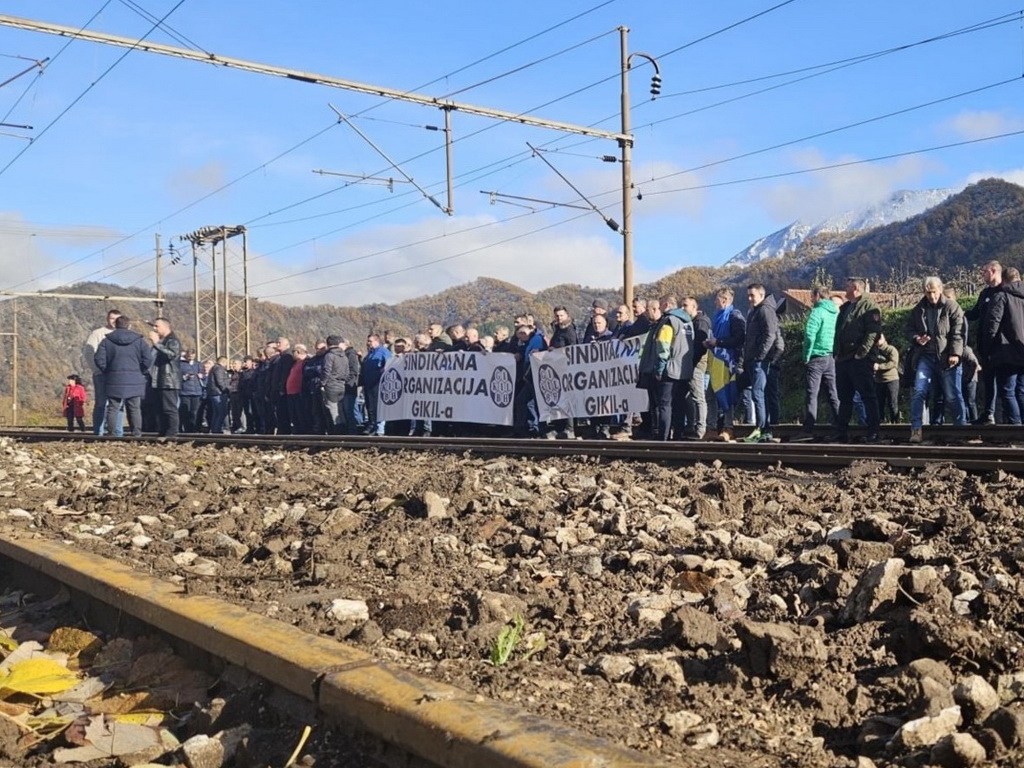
[845,164]
[436,261]
[319,133]
[82,95]
[528,65]
[173,33]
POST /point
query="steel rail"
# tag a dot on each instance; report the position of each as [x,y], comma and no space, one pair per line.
[814,456]
[436,723]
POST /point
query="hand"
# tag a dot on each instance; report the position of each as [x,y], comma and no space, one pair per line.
[709,343]
[154,336]
[922,339]
[954,360]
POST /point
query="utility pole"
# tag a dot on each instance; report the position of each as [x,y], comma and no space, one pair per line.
[626,146]
[159,279]
[625,140]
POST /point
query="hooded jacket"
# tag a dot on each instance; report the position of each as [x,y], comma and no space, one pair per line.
[124,358]
[820,331]
[1002,327]
[669,351]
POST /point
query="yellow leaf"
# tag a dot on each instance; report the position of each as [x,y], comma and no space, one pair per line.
[140,717]
[7,642]
[37,677]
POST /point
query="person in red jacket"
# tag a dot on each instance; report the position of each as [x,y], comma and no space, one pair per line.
[73,403]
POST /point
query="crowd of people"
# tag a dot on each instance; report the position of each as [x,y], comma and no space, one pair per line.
[697,370]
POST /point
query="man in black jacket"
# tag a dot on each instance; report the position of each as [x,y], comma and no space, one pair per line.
[1002,331]
[124,358]
[992,276]
[167,373]
[563,334]
[697,403]
[758,350]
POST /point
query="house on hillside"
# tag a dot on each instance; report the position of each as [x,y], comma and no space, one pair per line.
[796,302]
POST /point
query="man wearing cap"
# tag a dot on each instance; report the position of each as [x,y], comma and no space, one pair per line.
[598,307]
[166,373]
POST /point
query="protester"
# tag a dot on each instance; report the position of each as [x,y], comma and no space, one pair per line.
[73,403]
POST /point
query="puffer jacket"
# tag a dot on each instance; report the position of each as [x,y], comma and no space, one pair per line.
[1002,328]
[124,358]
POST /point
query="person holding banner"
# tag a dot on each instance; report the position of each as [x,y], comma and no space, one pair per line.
[525,414]
[376,357]
[728,333]
[563,334]
[666,363]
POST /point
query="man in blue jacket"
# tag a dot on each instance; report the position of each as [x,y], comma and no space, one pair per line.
[124,358]
[376,357]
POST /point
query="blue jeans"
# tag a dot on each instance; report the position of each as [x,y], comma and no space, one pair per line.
[820,370]
[218,410]
[99,408]
[1007,380]
[929,368]
[758,382]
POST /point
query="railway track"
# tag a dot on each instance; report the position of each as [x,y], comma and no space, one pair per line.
[415,721]
[960,446]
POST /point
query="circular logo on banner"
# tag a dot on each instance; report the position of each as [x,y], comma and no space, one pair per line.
[550,386]
[390,386]
[502,387]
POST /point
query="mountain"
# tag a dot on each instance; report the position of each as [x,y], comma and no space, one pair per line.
[898,206]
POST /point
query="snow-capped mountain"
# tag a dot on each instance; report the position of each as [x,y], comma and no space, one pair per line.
[899,206]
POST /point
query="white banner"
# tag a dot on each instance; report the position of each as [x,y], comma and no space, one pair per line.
[589,380]
[448,386]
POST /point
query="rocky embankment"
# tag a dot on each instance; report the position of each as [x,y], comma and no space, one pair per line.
[713,616]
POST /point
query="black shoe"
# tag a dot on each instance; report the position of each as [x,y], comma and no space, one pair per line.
[984,421]
[837,437]
[802,437]
[872,437]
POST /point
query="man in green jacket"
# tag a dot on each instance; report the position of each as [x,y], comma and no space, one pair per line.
[857,329]
[819,337]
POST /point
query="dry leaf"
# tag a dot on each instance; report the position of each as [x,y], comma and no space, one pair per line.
[37,677]
[70,640]
[693,581]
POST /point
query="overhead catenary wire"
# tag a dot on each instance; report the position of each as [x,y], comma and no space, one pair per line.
[316,135]
[83,94]
[271,161]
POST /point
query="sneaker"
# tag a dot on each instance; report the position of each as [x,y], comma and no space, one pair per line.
[802,437]
[766,437]
[916,437]
[872,437]
[753,437]
[724,436]
[984,421]
[622,436]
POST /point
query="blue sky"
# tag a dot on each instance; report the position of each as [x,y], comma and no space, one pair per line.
[155,144]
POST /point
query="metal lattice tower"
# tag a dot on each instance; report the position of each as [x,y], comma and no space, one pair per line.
[220,305]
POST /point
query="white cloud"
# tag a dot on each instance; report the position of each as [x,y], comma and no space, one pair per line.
[1015,176]
[191,183]
[582,251]
[826,193]
[31,251]
[979,125]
